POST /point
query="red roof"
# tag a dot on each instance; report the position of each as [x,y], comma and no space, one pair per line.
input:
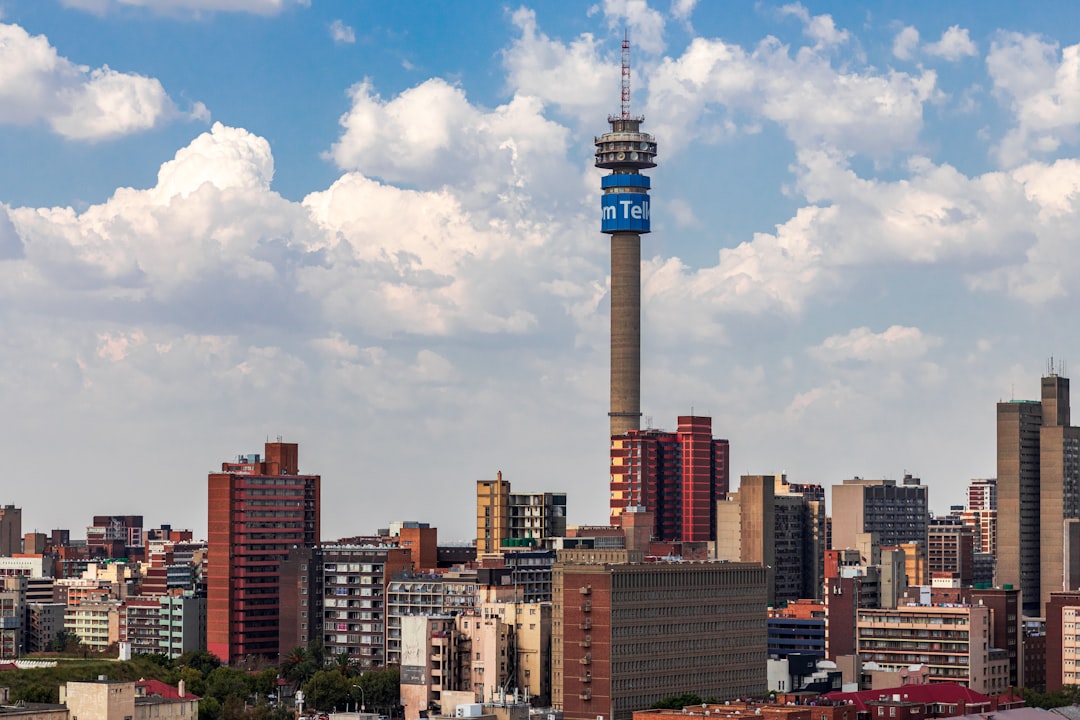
[163,690]
[940,693]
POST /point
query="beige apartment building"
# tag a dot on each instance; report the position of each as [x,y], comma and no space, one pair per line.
[954,641]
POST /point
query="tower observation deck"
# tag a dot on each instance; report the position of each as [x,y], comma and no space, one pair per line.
[625,216]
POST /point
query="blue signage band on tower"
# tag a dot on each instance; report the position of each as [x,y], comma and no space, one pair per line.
[625,212]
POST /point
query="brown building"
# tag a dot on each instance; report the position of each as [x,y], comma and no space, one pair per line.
[950,549]
[779,525]
[336,594]
[258,510]
[892,514]
[1062,649]
[508,521]
[10,530]
[1038,490]
[627,633]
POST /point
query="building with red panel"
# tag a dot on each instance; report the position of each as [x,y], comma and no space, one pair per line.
[677,476]
[258,509]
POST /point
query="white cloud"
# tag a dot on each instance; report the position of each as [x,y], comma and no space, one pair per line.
[571,76]
[645,25]
[820,28]
[1042,88]
[906,43]
[342,33]
[259,7]
[864,112]
[895,344]
[431,136]
[955,44]
[683,9]
[36,85]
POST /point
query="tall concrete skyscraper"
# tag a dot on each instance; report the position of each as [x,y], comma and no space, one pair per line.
[625,150]
[10,530]
[1038,459]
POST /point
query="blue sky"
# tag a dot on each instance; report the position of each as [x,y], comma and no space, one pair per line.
[372,228]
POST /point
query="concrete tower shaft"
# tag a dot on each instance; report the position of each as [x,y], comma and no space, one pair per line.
[625,413]
[625,215]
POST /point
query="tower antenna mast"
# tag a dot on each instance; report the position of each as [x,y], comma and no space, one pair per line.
[626,75]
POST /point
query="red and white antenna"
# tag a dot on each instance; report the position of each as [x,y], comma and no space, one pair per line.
[626,75]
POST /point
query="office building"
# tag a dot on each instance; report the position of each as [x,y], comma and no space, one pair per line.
[949,639]
[627,633]
[509,521]
[10,530]
[1062,646]
[336,593]
[1038,490]
[182,624]
[950,550]
[258,510]
[767,522]
[677,476]
[889,514]
[116,536]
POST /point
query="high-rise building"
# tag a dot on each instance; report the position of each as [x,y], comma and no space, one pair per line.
[1038,487]
[258,510]
[626,633]
[336,594]
[624,206]
[116,536]
[771,522]
[509,521]
[678,476]
[950,550]
[891,514]
[959,645]
[10,530]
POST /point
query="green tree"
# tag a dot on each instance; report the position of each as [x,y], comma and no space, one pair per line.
[209,709]
[677,702]
[203,661]
[327,689]
[226,683]
[194,681]
[36,693]
[299,666]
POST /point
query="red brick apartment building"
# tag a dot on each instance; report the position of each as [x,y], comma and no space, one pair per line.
[258,509]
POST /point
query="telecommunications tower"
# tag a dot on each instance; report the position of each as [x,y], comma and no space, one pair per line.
[625,151]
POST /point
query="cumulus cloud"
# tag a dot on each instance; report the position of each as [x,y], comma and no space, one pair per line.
[569,75]
[897,343]
[683,9]
[863,112]
[38,85]
[341,33]
[1042,88]
[645,25]
[431,135]
[259,7]
[955,44]
[819,28]
[906,43]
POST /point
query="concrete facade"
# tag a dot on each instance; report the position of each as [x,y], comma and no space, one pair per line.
[626,634]
[258,510]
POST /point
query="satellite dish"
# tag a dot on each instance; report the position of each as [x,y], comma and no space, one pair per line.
[621,156]
[633,156]
[644,146]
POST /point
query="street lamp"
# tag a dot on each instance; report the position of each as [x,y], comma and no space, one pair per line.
[363,698]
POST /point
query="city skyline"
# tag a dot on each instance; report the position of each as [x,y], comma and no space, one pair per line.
[373,231]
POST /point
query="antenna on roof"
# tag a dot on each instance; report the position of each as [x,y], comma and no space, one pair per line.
[626,75]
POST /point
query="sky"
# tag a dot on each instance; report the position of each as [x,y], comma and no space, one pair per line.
[373,229]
